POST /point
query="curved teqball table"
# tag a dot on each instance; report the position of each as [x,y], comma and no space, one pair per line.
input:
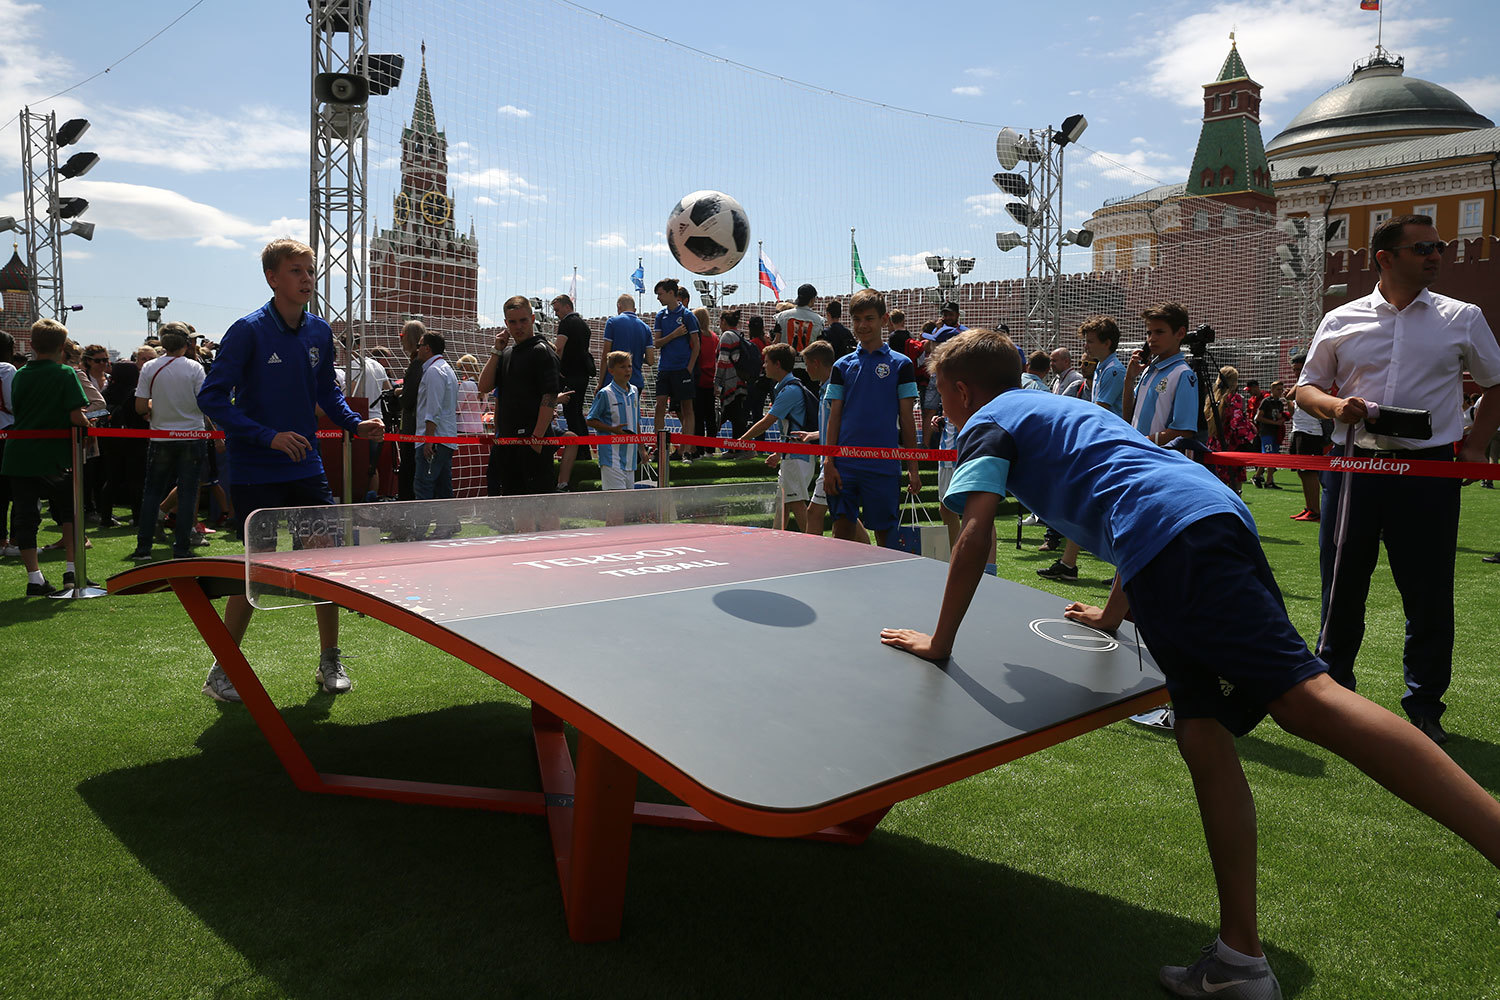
[740,668]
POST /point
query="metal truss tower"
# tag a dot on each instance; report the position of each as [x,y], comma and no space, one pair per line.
[43,224]
[339,163]
[1044,233]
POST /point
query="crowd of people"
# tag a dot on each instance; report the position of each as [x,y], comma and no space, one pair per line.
[1101,451]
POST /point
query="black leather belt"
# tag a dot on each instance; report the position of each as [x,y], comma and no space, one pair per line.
[1439,453]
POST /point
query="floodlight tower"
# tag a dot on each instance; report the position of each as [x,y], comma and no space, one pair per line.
[46,210]
[153,306]
[950,273]
[1038,209]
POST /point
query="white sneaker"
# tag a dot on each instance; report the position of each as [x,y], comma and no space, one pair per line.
[1211,976]
[218,686]
[1031,521]
[331,674]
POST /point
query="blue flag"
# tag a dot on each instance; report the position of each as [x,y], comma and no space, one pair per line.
[639,277]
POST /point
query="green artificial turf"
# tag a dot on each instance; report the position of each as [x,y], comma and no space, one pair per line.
[150,845]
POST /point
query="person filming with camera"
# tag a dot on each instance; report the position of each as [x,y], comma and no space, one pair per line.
[1397,357]
[1161,391]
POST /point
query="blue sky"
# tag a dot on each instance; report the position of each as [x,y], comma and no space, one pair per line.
[571,137]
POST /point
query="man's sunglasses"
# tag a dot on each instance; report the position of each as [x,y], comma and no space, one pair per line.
[1425,248]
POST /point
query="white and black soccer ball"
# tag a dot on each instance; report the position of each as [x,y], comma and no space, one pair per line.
[708,232]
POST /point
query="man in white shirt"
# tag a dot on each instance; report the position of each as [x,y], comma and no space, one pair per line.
[167,393]
[437,416]
[1401,346]
[1069,379]
[370,381]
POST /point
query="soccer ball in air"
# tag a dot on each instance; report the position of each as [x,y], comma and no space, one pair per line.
[708,232]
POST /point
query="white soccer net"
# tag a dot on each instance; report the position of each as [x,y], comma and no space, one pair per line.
[535,147]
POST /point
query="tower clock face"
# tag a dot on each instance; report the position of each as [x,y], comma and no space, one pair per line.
[436,208]
[403,208]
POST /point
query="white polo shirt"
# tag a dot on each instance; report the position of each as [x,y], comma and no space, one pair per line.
[172,383]
[1414,358]
[368,380]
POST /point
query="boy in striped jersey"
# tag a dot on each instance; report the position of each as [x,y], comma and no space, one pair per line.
[617,410]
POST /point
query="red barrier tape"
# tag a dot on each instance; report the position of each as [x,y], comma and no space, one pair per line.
[836,451]
[33,435]
[1337,463]
[124,432]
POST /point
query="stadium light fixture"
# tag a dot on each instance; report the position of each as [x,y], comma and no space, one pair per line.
[934,263]
[1072,127]
[1021,212]
[1012,184]
[700,284]
[83,229]
[8,222]
[71,131]
[161,301]
[143,300]
[1009,241]
[964,264]
[708,300]
[947,279]
[1079,237]
[1340,289]
[1029,150]
[1008,148]
[77,165]
[68,208]
[731,289]
[385,72]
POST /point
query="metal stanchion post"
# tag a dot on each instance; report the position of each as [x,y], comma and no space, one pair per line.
[348,442]
[663,458]
[80,588]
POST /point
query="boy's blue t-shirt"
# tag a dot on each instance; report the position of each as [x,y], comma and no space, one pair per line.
[1088,474]
[790,408]
[871,384]
[267,378]
[676,355]
[629,333]
[1109,385]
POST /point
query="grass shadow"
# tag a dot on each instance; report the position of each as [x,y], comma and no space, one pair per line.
[329,896]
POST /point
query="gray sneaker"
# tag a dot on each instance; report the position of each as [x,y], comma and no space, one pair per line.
[331,673]
[1211,977]
[218,686]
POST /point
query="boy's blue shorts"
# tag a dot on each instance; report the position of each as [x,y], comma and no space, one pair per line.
[1209,610]
[878,495]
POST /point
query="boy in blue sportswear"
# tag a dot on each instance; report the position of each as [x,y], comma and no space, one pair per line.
[793,409]
[1179,538]
[871,396]
[1161,391]
[273,369]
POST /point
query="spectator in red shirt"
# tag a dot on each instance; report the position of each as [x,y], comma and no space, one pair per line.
[705,414]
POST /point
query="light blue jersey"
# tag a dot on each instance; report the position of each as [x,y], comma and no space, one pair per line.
[1109,385]
[616,406]
[1166,397]
[1030,381]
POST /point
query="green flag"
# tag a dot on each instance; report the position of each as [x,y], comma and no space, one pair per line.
[854,265]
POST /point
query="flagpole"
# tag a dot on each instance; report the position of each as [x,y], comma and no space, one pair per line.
[851,260]
[760,257]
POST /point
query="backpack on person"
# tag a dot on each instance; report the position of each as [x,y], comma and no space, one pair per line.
[809,408]
[748,364]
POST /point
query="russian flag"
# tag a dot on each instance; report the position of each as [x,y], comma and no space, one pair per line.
[769,275]
[1369,4]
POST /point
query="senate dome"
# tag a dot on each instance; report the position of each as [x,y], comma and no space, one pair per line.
[1379,103]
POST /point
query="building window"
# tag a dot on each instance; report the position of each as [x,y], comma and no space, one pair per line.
[1140,253]
[1218,102]
[1471,216]
[1226,177]
[1428,210]
[1201,221]
[1231,217]
[1208,178]
[1338,231]
[1234,100]
[1377,217]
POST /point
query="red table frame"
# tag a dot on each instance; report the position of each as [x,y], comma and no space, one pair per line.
[590,804]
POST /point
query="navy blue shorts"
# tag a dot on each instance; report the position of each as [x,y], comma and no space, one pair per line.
[678,385]
[877,495]
[1209,610]
[310,492]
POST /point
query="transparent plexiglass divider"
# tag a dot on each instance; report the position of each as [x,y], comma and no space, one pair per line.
[283,542]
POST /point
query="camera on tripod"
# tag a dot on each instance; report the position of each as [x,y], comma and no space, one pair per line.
[1198,340]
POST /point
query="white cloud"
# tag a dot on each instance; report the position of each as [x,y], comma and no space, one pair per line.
[653,248]
[258,138]
[498,183]
[1294,48]
[1138,166]
[512,111]
[907,265]
[1139,140]
[983,72]
[610,241]
[969,91]
[153,213]
[485,199]
[1482,93]
[987,204]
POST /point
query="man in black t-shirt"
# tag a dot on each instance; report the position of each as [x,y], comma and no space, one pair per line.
[525,373]
[406,452]
[577,367]
[837,334]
